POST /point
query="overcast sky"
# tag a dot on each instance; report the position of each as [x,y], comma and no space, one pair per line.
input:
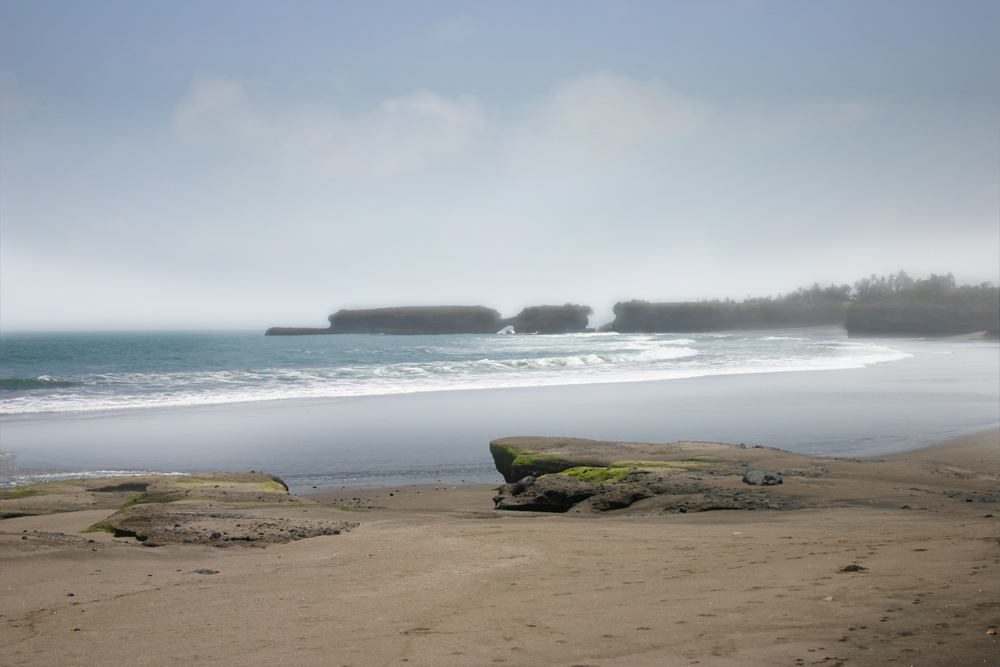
[200,165]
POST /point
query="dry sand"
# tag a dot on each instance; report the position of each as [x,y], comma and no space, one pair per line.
[435,576]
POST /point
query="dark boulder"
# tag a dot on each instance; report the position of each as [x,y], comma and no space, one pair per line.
[762,478]
[553,493]
[562,493]
[519,487]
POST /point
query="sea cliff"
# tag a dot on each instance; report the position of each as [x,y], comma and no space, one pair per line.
[921,319]
[693,317]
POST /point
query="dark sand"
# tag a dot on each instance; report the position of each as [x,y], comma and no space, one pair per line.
[435,576]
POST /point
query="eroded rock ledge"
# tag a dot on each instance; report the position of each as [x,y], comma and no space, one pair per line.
[218,509]
[585,476]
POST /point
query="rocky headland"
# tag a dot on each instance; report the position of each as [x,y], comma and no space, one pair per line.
[702,316]
[893,305]
[922,319]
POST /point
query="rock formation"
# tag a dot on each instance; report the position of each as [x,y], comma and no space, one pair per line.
[762,478]
[577,475]
[568,318]
[216,508]
[417,320]
[694,317]
[297,331]
[412,320]
[913,318]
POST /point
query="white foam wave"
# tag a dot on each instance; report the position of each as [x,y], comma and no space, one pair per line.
[636,361]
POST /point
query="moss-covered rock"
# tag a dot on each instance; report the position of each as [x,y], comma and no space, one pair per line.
[516,462]
[576,475]
[113,492]
[523,456]
[595,475]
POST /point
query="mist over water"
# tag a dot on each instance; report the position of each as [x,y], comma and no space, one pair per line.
[381,410]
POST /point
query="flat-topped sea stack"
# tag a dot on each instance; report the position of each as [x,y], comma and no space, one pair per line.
[432,320]
[568,318]
[410,320]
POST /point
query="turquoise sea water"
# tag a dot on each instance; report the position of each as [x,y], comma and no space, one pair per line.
[64,373]
[357,409]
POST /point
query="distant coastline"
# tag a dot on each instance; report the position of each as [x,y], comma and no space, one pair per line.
[894,305]
[434,320]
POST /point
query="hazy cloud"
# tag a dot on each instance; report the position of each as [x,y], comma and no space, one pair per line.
[600,117]
[321,156]
[402,135]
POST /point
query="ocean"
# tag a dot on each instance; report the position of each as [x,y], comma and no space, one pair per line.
[362,410]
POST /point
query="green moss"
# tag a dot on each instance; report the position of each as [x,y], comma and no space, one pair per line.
[137,499]
[595,475]
[684,464]
[271,486]
[503,458]
[22,492]
[156,497]
[349,508]
[99,527]
[515,465]
[640,464]
[536,465]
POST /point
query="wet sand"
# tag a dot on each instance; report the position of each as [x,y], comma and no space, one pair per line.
[435,576]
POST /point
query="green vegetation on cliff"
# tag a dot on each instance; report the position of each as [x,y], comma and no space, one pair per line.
[898,305]
[888,305]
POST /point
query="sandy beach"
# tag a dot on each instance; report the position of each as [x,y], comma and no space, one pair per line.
[891,561]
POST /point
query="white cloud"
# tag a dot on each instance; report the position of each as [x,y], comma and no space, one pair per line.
[602,116]
[589,120]
[403,135]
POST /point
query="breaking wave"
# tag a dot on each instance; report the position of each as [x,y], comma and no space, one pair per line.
[343,366]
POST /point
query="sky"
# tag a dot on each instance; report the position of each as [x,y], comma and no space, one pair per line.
[240,165]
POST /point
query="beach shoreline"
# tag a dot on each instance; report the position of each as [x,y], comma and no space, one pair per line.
[437,576]
[407,438]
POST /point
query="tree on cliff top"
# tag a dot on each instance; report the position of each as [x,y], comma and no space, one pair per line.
[936,289]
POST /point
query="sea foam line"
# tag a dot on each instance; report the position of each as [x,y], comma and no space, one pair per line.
[380,386]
